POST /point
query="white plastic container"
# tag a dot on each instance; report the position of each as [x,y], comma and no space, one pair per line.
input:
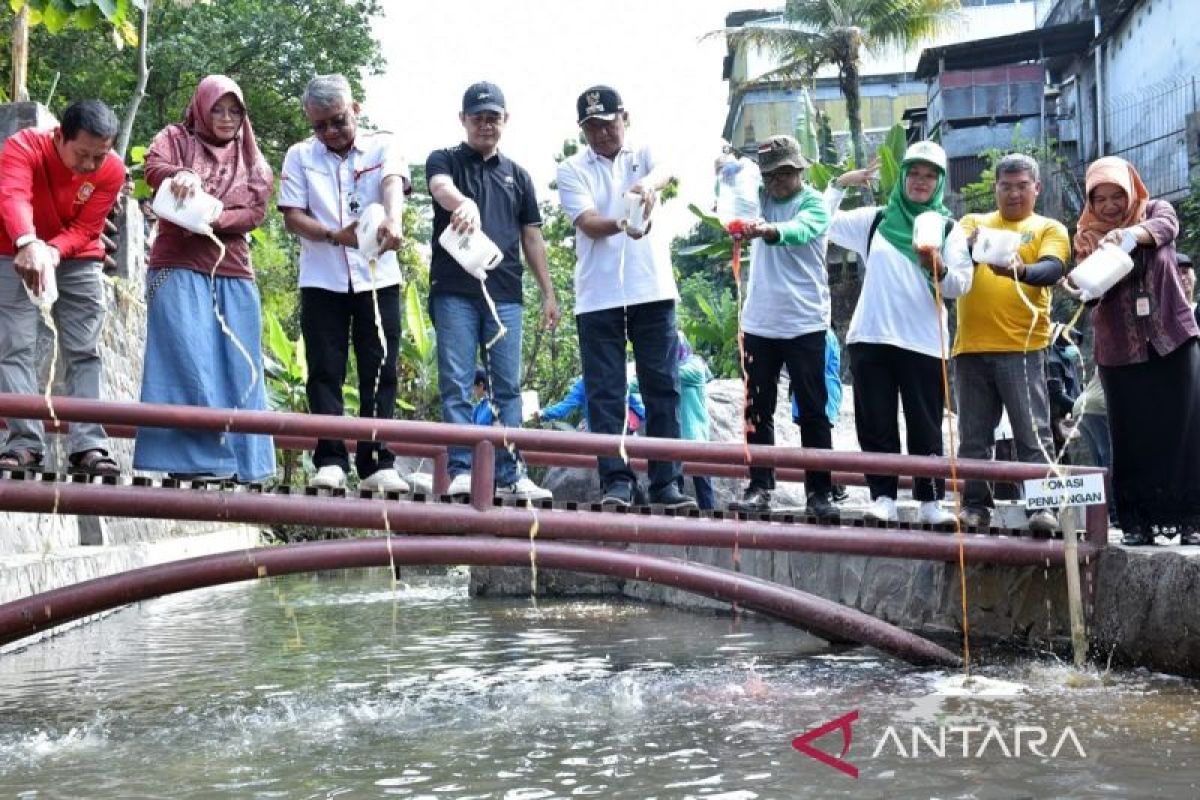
[45,301]
[196,214]
[367,230]
[1101,271]
[530,404]
[929,229]
[737,191]
[474,252]
[635,213]
[995,247]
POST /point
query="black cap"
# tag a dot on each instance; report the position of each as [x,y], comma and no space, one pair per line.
[481,97]
[600,102]
[481,377]
[1183,259]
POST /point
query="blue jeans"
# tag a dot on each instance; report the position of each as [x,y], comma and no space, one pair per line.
[463,326]
[602,337]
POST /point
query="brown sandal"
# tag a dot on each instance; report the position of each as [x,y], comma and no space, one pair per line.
[19,459]
[94,462]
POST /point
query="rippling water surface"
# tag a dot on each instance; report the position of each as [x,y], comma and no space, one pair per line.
[339,686]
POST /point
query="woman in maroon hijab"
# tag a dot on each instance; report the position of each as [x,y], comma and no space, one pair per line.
[204,321]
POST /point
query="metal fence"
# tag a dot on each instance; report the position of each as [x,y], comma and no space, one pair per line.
[1149,130]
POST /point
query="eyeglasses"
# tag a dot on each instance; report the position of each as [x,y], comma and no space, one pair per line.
[339,123]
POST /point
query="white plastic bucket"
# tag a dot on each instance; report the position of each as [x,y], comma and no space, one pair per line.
[49,295]
[475,252]
[196,213]
[929,229]
[530,404]
[1101,271]
[996,247]
[635,212]
[367,230]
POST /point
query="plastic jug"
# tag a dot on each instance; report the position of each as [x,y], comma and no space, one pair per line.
[367,231]
[738,183]
[996,247]
[196,214]
[474,252]
[530,404]
[1103,269]
[635,213]
[929,229]
[45,301]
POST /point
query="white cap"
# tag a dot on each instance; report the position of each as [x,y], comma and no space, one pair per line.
[930,152]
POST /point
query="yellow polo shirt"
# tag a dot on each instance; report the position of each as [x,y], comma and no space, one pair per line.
[991,317]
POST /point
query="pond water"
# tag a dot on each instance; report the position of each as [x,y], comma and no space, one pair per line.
[341,685]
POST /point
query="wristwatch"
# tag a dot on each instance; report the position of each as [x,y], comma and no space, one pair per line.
[28,238]
[330,236]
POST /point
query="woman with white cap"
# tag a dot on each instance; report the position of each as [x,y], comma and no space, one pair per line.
[898,340]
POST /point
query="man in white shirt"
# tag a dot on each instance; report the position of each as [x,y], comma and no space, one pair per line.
[624,291]
[328,181]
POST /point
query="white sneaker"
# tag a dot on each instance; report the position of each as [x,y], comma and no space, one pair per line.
[330,476]
[932,513]
[384,480]
[460,486]
[524,489]
[882,510]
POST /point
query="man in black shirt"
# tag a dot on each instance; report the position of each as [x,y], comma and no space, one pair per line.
[477,188]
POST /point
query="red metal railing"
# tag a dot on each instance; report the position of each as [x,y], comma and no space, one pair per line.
[406,434]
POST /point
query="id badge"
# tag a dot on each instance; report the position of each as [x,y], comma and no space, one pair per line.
[1141,306]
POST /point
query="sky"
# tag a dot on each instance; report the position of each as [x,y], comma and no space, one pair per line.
[543,54]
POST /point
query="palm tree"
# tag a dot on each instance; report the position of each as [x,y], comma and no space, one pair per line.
[837,32]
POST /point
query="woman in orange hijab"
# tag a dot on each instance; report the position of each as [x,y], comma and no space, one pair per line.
[1148,354]
[193,356]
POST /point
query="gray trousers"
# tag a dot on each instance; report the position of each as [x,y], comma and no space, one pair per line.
[79,316]
[988,384]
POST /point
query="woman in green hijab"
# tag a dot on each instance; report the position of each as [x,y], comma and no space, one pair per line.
[898,341]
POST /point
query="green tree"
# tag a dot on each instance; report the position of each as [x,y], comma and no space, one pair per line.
[837,33]
[56,16]
[270,47]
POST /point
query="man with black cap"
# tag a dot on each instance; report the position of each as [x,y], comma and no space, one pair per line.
[786,318]
[476,187]
[624,290]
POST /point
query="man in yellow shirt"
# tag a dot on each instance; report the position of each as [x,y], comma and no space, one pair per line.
[1003,333]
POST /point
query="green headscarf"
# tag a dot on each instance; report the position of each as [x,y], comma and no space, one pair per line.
[898,215]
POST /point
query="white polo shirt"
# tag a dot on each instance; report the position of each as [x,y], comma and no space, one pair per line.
[335,190]
[589,181]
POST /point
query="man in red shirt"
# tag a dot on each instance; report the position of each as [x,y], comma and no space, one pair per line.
[56,189]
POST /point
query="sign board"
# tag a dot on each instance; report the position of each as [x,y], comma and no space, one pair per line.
[1068,490]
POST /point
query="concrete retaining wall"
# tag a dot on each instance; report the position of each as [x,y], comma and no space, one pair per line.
[42,551]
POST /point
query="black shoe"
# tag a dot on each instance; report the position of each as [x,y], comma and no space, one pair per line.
[1137,537]
[975,517]
[820,505]
[839,494]
[755,500]
[670,497]
[619,495]
[1189,536]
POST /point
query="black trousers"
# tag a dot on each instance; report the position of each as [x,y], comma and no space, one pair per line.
[650,328]
[883,375]
[805,360]
[331,322]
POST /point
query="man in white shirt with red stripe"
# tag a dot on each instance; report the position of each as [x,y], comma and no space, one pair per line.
[328,180]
